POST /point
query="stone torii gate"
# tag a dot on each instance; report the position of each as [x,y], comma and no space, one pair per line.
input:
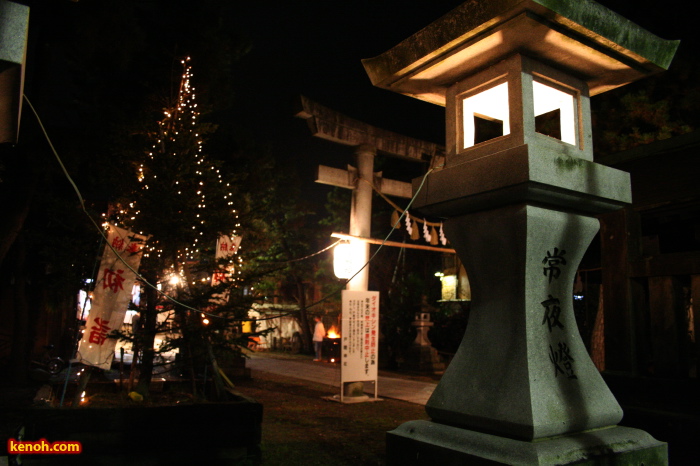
[368,141]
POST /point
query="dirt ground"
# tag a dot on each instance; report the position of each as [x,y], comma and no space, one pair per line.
[300,427]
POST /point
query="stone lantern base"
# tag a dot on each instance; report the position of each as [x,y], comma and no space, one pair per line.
[428,443]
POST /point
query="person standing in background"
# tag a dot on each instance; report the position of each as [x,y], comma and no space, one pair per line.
[319,334]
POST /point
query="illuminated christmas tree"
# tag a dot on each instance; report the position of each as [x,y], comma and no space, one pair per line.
[180,186]
[184,203]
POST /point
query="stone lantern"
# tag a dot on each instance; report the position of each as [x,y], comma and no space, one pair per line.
[421,356]
[519,194]
[422,323]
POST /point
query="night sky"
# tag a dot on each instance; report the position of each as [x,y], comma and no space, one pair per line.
[314,48]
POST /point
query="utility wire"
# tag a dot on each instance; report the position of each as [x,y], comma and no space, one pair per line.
[97,226]
[104,237]
[381,245]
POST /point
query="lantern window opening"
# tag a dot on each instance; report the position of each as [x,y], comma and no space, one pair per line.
[556,110]
[485,114]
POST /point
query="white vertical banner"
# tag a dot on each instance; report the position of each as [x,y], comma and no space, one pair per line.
[226,246]
[360,336]
[111,296]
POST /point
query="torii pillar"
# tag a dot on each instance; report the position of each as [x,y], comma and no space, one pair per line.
[361,210]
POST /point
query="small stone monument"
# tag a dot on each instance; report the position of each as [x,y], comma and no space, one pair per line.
[421,356]
[519,193]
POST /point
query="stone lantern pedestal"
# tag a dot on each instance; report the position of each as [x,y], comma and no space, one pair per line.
[518,195]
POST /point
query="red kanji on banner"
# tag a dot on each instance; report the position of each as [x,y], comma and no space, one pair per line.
[113,280]
[118,243]
[98,332]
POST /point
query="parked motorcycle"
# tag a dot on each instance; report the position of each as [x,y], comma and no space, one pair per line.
[48,362]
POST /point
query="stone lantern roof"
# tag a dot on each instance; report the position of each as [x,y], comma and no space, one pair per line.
[580,37]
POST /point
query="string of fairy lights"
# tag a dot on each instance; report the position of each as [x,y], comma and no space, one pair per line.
[180,122]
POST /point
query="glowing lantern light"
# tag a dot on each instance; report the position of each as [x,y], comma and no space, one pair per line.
[517,103]
[347,259]
[551,101]
[486,112]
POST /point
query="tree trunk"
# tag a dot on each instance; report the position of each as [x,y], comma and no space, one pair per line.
[306,333]
[192,344]
[148,335]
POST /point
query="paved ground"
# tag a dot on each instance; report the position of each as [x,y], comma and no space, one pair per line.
[394,387]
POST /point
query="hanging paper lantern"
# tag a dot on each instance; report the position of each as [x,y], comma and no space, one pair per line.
[347,259]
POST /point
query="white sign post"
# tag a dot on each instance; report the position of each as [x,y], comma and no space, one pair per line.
[360,338]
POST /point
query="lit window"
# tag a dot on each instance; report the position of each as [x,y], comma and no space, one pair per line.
[555,114]
[485,115]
